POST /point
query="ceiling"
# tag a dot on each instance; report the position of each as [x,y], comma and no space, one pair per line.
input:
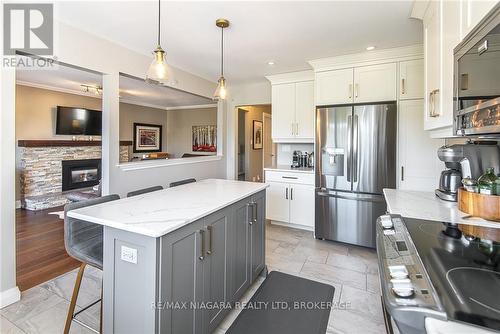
[132,90]
[288,33]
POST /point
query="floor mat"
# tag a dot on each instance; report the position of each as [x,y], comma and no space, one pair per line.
[286,304]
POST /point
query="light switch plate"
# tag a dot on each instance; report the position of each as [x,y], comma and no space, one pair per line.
[129,254]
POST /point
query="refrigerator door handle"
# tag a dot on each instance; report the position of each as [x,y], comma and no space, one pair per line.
[353,197]
[349,137]
[355,149]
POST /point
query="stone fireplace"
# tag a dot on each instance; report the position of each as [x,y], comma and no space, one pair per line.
[42,163]
[77,174]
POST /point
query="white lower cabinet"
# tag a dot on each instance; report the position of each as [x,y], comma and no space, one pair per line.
[277,206]
[290,199]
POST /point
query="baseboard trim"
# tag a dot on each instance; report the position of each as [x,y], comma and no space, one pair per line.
[300,227]
[10,296]
[18,204]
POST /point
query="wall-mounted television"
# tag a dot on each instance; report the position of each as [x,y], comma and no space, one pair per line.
[78,121]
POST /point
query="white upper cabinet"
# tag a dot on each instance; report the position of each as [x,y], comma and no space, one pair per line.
[411,79]
[283,109]
[293,107]
[441,34]
[334,87]
[375,83]
[304,110]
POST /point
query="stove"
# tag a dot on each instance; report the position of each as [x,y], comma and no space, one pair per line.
[439,270]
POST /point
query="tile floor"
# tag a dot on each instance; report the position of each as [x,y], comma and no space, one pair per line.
[351,270]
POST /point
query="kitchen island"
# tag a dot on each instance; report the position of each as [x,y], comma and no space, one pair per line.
[174,260]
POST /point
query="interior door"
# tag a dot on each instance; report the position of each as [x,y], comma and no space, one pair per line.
[374,148]
[333,148]
[283,111]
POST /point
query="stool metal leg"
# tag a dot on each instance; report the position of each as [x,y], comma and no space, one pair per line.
[74,297]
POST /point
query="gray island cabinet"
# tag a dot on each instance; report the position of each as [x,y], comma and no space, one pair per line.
[166,275]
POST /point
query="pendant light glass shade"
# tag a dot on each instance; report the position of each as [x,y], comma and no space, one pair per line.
[158,70]
[221,92]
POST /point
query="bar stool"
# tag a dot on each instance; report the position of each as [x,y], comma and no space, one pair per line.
[181,182]
[144,191]
[83,241]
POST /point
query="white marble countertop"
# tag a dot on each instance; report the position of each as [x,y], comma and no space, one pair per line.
[160,212]
[288,168]
[426,205]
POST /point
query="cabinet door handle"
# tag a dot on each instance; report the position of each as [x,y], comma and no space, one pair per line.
[356,90]
[286,193]
[402,173]
[296,129]
[291,194]
[350,91]
[289,177]
[291,128]
[250,207]
[256,212]
[403,86]
[210,232]
[202,252]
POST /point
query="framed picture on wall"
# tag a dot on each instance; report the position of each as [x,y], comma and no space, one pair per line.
[147,138]
[204,138]
[257,135]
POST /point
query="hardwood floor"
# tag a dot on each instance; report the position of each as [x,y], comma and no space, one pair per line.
[40,252]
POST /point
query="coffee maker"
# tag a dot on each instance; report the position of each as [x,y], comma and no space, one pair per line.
[468,160]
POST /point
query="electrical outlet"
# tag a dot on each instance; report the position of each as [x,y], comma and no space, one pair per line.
[129,254]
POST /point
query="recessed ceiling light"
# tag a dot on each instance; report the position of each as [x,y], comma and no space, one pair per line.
[369,48]
[270,63]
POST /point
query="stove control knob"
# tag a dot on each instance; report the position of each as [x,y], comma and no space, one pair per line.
[386,222]
[402,288]
[398,272]
[403,293]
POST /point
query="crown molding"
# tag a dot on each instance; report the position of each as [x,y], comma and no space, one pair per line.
[291,77]
[419,8]
[368,58]
[57,89]
[199,106]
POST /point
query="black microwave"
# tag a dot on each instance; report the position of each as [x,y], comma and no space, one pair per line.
[477,79]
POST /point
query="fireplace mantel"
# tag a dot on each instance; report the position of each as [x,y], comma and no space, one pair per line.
[65,143]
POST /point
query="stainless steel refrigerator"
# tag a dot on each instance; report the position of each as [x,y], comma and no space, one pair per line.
[355,156]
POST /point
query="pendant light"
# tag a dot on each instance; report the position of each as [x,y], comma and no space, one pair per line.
[158,70]
[221,91]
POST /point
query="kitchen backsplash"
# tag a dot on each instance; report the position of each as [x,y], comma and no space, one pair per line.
[285,152]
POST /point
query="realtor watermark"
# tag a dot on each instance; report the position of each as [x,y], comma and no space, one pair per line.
[28,29]
[275,305]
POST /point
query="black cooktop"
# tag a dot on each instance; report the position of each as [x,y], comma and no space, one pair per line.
[463,263]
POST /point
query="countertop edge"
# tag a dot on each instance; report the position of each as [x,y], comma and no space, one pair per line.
[290,170]
[132,229]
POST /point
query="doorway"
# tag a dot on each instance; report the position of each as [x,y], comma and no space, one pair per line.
[255,147]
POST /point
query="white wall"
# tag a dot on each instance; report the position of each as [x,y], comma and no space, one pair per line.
[75,47]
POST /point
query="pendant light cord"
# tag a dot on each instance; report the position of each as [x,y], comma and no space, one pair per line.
[159,21]
[222,53]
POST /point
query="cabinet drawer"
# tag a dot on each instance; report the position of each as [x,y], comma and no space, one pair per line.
[290,177]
